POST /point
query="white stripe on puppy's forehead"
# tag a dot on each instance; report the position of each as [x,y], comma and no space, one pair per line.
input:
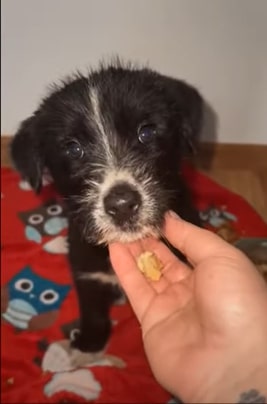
[114,170]
[113,174]
[96,110]
[100,124]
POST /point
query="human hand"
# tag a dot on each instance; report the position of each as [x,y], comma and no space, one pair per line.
[204,331]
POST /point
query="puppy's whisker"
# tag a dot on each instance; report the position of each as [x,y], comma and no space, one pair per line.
[99,166]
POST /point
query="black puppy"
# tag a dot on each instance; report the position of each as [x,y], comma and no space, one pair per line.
[113,142]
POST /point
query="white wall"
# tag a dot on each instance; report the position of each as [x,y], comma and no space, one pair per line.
[217,45]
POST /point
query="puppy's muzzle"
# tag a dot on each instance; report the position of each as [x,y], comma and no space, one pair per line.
[122,204]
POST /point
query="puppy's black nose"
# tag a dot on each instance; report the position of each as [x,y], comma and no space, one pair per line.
[122,202]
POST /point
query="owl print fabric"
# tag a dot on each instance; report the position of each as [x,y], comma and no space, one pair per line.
[30,297]
[46,222]
[39,306]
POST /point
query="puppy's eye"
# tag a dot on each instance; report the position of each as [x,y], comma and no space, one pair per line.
[74,150]
[146,133]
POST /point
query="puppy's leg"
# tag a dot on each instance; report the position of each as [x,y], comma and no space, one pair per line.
[96,292]
[95,295]
[97,289]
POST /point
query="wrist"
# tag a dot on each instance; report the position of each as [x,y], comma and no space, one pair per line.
[238,384]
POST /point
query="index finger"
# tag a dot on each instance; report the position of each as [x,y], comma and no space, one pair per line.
[195,243]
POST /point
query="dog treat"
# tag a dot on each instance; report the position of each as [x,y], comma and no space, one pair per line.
[150,265]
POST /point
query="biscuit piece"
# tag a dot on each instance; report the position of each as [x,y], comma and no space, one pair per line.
[150,265]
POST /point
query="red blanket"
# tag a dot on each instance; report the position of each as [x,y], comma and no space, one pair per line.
[39,306]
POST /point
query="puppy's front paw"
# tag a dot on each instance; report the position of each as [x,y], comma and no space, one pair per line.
[93,336]
[85,344]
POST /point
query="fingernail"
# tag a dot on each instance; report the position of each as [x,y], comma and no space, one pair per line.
[174,215]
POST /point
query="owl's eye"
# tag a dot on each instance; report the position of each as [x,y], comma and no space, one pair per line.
[73,333]
[146,133]
[49,296]
[203,216]
[35,219]
[214,213]
[54,210]
[74,150]
[24,285]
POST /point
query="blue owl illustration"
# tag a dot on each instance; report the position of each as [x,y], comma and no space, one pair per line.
[46,220]
[32,301]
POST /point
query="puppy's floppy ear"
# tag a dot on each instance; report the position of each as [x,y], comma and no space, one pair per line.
[187,106]
[25,153]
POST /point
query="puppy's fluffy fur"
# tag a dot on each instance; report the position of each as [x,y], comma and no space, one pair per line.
[113,142]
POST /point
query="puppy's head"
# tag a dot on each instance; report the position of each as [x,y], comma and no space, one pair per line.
[112,142]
